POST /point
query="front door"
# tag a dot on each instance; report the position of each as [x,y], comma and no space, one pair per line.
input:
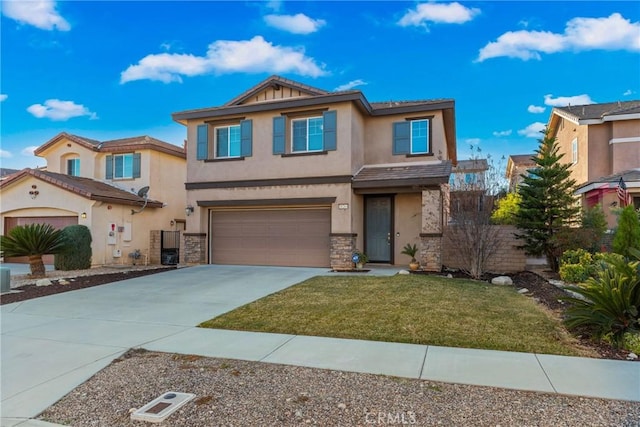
[378,220]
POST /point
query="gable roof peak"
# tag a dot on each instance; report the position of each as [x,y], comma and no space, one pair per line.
[276,82]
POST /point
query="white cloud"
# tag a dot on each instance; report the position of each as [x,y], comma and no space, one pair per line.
[628,92]
[501,133]
[58,110]
[611,33]
[296,24]
[350,85]
[450,13]
[28,151]
[3,97]
[39,13]
[563,101]
[225,56]
[533,130]
[4,154]
[472,141]
[535,109]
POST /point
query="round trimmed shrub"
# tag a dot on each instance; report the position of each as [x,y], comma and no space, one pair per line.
[77,255]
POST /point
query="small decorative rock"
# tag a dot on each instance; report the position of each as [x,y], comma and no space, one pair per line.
[449,276]
[403,272]
[502,280]
[342,406]
[43,282]
[523,291]
[632,356]
[63,282]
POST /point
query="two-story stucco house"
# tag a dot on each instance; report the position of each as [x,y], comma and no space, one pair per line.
[602,142]
[289,174]
[121,189]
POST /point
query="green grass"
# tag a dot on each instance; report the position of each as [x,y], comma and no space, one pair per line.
[415,309]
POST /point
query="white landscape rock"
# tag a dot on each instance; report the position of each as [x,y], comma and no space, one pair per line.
[43,282]
[403,272]
[523,290]
[502,280]
[632,356]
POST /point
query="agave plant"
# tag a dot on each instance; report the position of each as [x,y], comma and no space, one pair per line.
[33,241]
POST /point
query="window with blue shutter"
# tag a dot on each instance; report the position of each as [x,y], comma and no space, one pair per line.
[108,169]
[329,130]
[279,143]
[202,144]
[246,137]
[137,164]
[402,138]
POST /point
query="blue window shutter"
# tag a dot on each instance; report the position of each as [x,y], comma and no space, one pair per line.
[137,162]
[202,146]
[329,131]
[246,132]
[108,169]
[402,138]
[278,135]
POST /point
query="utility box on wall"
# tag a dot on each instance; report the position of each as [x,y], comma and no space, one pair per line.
[111,234]
[117,253]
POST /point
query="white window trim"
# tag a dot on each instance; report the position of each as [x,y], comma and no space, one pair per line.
[75,159]
[307,136]
[215,142]
[574,151]
[426,136]
[123,155]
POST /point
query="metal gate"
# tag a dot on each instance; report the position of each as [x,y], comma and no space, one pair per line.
[170,248]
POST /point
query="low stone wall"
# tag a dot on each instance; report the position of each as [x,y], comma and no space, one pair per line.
[342,247]
[193,248]
[155,246]
[507,259]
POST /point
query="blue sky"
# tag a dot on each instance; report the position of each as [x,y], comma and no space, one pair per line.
[107,70]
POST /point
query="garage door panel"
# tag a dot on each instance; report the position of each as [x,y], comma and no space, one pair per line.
[286,237]
[58,222]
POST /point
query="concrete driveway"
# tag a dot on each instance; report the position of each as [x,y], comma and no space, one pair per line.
[51,345]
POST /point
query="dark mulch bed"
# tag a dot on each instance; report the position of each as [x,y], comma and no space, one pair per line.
[33,291]
[549,296]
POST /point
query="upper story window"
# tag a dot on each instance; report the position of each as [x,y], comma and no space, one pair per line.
[230,141]
[312,134]
[123,166]
[227,141]
[574,151]
[73,167]
[412,137]
[307,134]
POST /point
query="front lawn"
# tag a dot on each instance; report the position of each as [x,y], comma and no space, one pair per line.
[417,309]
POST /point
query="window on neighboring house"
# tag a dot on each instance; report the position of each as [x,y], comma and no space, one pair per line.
[574,151]
[452,180]
[314,134]
[73,167]
[470,178]
[123,166]
[412,137]
[228,141]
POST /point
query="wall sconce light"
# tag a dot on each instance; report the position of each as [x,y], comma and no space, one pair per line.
[188,210]
[83,215]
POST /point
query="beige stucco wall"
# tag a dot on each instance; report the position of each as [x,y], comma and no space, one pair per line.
[407,227]
[57,154]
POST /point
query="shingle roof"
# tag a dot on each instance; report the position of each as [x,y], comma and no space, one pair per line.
[275,81]
[400,175]
[520,159]
[6,172]
[631,175]
[600,111]
[85,187]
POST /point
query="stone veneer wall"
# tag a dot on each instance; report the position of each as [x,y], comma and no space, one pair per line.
[430,252]
[433,213]
[155,243]
[193,248]
[507,259]
[342,247]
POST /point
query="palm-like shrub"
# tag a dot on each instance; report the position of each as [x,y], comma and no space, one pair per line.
[610,303]
[33,241]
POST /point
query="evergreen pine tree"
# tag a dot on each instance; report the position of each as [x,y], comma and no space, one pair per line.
[547,203]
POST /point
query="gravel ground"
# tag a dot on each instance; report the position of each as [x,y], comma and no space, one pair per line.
[240,393]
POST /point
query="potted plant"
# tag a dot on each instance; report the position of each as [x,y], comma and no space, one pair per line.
[135,256]
[359,258]
[411,250]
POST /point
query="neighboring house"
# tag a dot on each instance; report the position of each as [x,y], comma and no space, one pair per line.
[289,174]
[121,189]
[517,166]
[469,175]
[6,172]
[601,141]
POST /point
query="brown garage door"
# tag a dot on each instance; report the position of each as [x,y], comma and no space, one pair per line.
[58,222]
[284,237]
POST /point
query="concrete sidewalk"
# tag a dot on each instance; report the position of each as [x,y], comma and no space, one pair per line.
[51,345]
